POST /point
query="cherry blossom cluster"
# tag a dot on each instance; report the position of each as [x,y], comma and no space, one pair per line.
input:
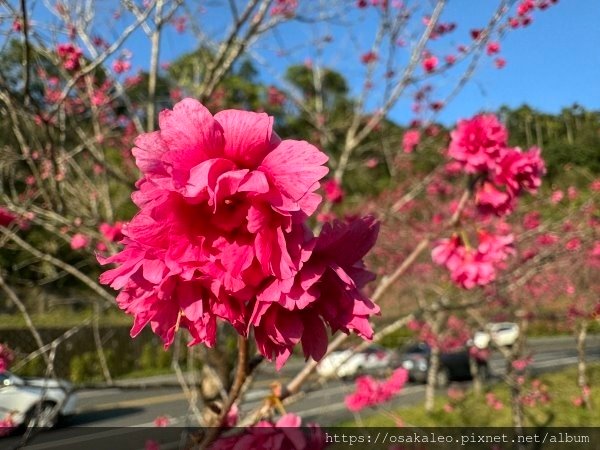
[480,146]
[8,218]
[286,8]
[537,394]
[70,55]
[283,434]
[500,174]
[370,392]
[222,236]
[468,266]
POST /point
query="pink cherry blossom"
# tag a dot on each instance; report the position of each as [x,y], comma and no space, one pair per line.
[495,247]
[477,143]
[521,364]
[333,191]
[286,8]
[450,59]
[473,267]
[162,421]
[557,197]
[473,270]
[7,357]
[70,54]
[283,434]
[531,220]
[520,171]
[430,63]
[448,408]
[369,57]
[491,200]
[492,48]
[493,401]
[7,217]
[371,163]
[370,392]
[79,241]
[500,63]
[121,66]
[410,140]
[448,252]
[325,291]
[547,239]
[232,416]
[112,233]
[572,192]
[17,25]
[221,235]
[573,244]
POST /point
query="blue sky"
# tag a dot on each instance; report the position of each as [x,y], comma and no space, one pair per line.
[551,64]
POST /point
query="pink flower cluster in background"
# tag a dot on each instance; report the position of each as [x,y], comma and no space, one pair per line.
[70,55]
[500,174]
[480,146]
[283,434]
[410,140]
[333,191]
[6,357]
[7,217]
[370,392]
[221,235]
[470,267]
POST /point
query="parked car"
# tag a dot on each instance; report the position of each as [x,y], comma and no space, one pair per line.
[346,363]
[454,365]
[37,402]
[502,334]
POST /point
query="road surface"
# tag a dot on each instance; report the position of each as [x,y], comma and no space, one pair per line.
[108,414]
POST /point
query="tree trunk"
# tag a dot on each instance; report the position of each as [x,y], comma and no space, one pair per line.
[582,380]
[515,398]
[434,366]
[153,73]
[516,405]
[439,317]
[476,374]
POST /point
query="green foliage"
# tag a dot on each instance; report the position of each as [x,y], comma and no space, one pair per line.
[34,368]
[570,138]
[84,367]
[397,339]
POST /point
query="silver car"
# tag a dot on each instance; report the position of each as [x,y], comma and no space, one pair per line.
[39,402]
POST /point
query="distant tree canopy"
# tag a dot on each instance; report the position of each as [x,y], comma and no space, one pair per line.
[570,138]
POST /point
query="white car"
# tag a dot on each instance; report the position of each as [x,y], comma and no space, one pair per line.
[346,363]
[502,334]
[39,402]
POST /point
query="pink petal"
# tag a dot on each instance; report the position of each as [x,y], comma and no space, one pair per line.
[314,343]
[148,150]
[295,166]
[191,134]
[248,136]
[334,238]
[203,177]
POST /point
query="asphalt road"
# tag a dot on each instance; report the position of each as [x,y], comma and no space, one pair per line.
[108,414]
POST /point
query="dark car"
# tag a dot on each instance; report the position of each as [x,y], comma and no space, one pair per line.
[454,365]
